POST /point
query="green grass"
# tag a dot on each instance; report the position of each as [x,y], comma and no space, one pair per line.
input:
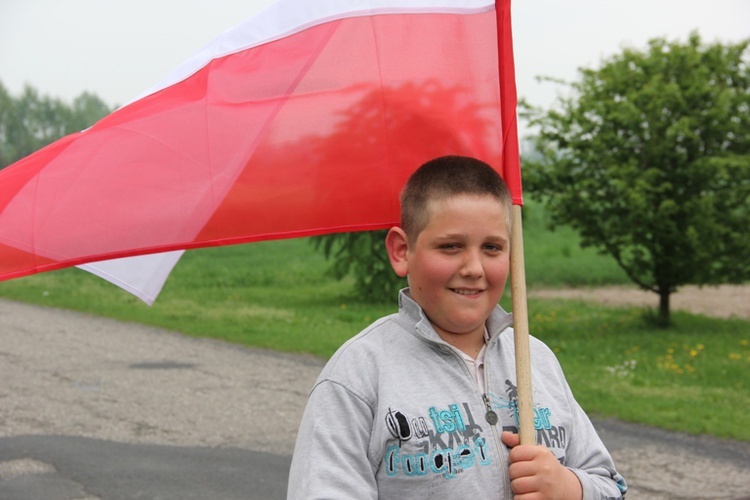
[272,294]
[276,295]
[692,377]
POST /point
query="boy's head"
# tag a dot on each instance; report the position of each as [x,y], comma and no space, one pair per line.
[443,178]
[454,244]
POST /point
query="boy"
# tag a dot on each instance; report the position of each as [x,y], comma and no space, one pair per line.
[415,405]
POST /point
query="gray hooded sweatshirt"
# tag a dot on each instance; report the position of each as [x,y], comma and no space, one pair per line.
[396,414]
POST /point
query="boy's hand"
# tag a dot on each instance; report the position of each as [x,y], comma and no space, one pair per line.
[535,473]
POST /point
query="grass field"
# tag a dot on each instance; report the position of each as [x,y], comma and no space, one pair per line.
[693,377]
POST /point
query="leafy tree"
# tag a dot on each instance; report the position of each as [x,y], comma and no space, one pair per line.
[648,157]
[86,110]
[6,152]
[362,255]
[31,121]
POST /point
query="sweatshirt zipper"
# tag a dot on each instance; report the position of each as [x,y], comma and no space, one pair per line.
[499,446]
[491,417]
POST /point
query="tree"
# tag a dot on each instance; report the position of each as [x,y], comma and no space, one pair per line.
[363,255]
[648,157]
[7,154]
[86,110]
[31,121]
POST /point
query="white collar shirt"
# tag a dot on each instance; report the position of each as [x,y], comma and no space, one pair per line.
[476,366]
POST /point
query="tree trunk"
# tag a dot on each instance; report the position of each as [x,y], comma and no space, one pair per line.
[664,294]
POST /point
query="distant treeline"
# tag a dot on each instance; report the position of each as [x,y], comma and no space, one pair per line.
[30,121]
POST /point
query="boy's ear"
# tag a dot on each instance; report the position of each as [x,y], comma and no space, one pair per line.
[397,246]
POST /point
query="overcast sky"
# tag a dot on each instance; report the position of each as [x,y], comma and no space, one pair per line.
[119,48]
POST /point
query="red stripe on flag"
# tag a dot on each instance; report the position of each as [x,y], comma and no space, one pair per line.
[308,134]
[509,99]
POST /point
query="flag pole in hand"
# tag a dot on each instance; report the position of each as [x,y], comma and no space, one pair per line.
[512,176]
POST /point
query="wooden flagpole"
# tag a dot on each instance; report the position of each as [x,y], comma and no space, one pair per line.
[512,176]
[526,430]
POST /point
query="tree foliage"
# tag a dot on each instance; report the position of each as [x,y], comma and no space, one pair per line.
[648,157]
[363,256]
[30,121]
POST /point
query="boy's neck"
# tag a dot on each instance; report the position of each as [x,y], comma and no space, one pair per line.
[468,343]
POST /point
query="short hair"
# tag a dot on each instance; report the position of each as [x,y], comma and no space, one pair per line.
[443,178]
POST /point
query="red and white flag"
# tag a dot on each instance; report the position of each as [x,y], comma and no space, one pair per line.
[306,119]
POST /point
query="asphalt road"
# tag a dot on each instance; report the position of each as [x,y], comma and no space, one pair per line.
[97,409]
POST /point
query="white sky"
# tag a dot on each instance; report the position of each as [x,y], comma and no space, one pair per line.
[119,48]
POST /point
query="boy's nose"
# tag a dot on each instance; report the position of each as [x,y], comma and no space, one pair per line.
[472,265]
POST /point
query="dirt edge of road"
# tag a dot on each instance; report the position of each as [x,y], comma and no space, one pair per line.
[723,301]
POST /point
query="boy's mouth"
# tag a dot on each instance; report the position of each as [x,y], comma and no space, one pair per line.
[465,291]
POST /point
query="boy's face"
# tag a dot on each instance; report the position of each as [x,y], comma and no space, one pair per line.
[459,263]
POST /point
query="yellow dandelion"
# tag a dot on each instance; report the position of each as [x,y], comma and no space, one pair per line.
[734,356]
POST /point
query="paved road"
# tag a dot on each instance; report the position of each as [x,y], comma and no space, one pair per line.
[97,409]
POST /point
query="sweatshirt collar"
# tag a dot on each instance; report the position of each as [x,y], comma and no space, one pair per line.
[412,314]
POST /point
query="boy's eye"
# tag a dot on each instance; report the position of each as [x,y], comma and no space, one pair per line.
[450,247]
[490,247]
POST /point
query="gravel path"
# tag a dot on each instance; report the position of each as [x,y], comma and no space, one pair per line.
[724,301]
[73,374]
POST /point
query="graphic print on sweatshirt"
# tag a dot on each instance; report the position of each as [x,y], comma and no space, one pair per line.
[552,436]
[445,441]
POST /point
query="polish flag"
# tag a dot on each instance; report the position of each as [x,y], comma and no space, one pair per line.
[306,119]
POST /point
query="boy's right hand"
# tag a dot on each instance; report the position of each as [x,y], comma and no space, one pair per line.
[536,474]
